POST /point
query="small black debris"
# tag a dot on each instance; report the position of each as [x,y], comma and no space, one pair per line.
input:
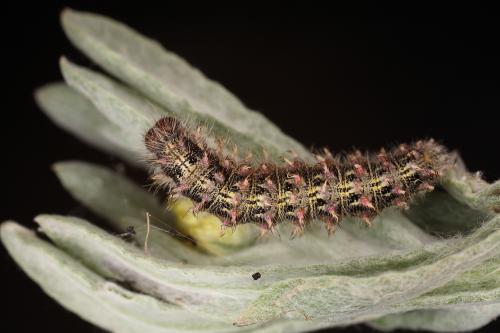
[128,235]
[130,230]
[256,276]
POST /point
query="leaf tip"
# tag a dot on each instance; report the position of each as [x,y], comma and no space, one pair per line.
[57,167]
[47,222]
[7,228]
[39,93]
[10,234]
[66,14]
[42,218]
[63,61]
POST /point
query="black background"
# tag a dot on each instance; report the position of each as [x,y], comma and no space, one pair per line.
[366,78]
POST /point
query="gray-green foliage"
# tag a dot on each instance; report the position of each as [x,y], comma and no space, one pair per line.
[401,273]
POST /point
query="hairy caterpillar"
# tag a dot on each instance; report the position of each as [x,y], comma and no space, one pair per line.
[352,184]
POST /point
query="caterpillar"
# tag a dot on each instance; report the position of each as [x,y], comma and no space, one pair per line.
[329,189]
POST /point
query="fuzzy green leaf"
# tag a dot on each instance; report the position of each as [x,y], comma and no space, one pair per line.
[170,81]
[221,292]
[124,205]
[459,320]
[76,114]
[133,114]
[194,289]
[362,297]
[124,108]
[93,298]
[107,304]
[95,244]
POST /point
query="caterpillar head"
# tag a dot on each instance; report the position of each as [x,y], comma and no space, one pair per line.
[166,129]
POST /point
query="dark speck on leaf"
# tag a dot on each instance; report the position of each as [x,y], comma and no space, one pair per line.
[256,276]
[130,230]
[128,235]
